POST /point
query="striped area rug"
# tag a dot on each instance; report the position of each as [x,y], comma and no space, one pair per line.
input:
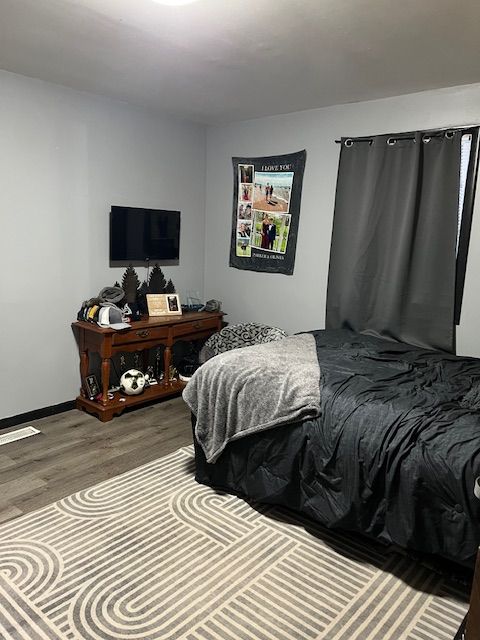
[153,555]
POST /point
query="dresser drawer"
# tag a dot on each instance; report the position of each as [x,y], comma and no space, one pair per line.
[140,335]
[195,326]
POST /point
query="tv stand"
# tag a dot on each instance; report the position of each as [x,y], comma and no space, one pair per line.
[148,333]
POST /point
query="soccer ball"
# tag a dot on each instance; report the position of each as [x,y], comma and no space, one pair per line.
[132,382]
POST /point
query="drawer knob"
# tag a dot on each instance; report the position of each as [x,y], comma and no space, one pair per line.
[198,325]
[143,333]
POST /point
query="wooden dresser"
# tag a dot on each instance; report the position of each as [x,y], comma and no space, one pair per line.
[145,334]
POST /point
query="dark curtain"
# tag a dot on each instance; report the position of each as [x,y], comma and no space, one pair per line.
[393,252]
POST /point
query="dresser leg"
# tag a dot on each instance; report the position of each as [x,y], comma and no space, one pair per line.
[84,364]
[167,359]
[105,380]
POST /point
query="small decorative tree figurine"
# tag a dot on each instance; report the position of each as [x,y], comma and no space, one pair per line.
[130,284]
[170,288]
[156,282]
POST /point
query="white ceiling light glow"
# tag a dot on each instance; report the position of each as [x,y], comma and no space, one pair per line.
[174,3]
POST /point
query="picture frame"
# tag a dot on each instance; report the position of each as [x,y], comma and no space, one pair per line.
[173,304]
[164,304]
[157,304]
[91,387]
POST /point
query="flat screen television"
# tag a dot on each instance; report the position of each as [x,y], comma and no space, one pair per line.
[139,236]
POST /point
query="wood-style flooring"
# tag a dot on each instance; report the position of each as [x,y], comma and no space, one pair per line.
[75,451]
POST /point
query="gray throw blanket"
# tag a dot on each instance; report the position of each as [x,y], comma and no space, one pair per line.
[252,389]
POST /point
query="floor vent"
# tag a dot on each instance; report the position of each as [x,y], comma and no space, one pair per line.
[18,435]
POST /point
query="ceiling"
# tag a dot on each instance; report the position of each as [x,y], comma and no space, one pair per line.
[218,61]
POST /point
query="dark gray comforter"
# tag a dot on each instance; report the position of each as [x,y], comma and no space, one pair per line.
[394,453]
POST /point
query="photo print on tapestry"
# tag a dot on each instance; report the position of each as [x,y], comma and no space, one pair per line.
[266,209]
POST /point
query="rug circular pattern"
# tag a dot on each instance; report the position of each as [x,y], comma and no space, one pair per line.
[153,555]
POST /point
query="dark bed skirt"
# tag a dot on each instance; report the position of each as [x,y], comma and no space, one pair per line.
[250,468]
[276,467]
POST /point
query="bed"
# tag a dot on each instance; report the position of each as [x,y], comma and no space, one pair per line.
[393,453]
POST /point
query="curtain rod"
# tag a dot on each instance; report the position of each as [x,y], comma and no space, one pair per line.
[427,131]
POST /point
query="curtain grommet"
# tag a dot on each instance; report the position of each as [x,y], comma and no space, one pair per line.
[391,141]
[426,139]
[449,134]
[348,142]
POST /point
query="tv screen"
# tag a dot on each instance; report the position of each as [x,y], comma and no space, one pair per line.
[142,235]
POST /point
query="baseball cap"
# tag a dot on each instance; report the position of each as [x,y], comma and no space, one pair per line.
[111,294]
[112,318]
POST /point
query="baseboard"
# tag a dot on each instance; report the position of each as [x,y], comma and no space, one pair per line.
[29,416]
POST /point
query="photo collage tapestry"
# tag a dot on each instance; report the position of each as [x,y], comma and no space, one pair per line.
[266,210]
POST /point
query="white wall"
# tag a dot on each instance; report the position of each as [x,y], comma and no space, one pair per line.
[298,302]
[65,157]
